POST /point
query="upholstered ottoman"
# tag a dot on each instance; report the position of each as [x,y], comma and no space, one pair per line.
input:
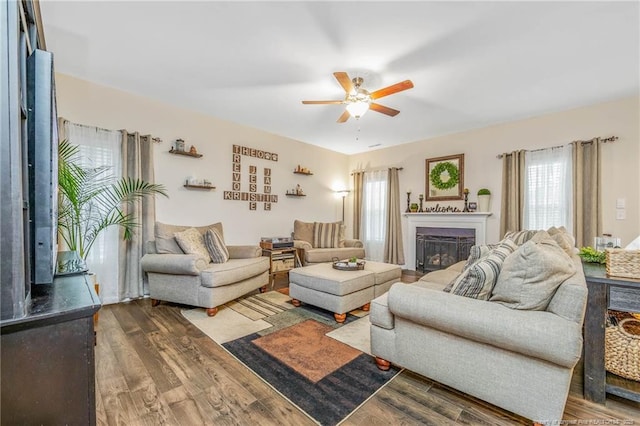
[340,291]
[384,275]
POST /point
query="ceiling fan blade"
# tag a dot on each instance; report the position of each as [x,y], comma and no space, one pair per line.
[390,90]
[344,117]
[322,102]
[383,109]
[344,80]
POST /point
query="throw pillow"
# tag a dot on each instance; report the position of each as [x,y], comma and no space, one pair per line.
[478,280]
[531,275]
[303,231]
[478,252]
[326,235]
[165,236]
[216,246]
[192,242]
[520,237]
[564,239]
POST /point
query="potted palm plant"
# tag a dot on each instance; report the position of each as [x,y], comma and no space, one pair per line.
[91,199]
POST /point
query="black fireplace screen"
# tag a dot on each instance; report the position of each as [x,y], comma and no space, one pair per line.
[439,248]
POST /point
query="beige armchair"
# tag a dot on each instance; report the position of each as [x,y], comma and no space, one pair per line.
[193,280]
[307,235]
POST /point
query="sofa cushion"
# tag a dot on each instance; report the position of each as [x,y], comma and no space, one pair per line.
[326,235]
[478,280]
[233,271]
[165,239]
[192,242]
[441,276]
[215,246]
[328,254]
[532,274]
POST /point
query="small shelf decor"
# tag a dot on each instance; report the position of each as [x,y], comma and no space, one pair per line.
[302,171]
[187,153]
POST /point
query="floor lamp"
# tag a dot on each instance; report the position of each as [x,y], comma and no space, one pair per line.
[343,193]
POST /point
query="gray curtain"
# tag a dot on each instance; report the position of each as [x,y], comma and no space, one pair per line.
[512,202]
[587,206]
[393,244]
[137,163]
[358,182]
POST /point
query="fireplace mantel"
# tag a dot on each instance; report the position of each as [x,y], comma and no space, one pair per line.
[475,220]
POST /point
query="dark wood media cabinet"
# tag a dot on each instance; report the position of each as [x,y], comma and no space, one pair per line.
[48,369]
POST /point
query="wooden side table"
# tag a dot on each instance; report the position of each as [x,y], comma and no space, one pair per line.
[281,261]
[605,292]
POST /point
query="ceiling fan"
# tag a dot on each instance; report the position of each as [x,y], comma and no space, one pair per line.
[359,100]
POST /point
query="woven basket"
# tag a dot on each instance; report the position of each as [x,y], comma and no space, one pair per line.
[623,263]
[622,349]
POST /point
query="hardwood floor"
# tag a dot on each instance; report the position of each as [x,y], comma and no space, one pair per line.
[154,367]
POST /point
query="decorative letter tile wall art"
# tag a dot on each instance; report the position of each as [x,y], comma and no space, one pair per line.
[252,196]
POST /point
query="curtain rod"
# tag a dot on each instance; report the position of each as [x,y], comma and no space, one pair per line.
[603,140]
[374,170]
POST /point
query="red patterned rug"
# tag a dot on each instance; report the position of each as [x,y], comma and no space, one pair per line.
[305,348]
[325,378]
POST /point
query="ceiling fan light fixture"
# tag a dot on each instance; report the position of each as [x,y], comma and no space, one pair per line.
[358,109]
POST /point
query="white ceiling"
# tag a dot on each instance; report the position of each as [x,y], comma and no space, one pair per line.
[473,64]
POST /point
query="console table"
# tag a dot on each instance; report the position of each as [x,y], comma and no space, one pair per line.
[48,371]
[605,292]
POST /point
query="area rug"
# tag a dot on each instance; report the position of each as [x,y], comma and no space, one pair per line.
[322,367]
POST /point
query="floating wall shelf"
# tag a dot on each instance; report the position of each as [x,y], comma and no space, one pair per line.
[199,186]
[187,153]
[302,173]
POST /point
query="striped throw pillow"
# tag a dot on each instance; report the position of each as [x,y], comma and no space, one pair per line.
[326,235]
[478,252]
[478,280]
[215,246]
[520,237]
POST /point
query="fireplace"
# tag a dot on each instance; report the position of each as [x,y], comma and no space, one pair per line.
[439,248]
[476,221]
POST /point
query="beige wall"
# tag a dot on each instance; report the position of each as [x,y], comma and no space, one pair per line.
[620,160]
[91,104]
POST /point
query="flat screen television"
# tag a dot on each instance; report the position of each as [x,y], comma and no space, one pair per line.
[42,151]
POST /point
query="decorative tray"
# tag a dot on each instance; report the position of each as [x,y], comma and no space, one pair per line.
[344,265]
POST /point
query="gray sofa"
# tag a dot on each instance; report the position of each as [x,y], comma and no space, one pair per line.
[518,359]
[303,238]
[191,280]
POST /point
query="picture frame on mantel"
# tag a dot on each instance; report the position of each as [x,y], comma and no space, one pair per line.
[444,178]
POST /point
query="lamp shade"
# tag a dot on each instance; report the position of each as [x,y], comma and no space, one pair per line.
[358,109]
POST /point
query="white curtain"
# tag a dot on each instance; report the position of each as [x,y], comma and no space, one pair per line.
[100,147]
[374,214]
[548,195]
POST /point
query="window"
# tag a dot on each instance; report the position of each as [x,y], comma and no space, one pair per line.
[374,213]
[548,195]
[101,148]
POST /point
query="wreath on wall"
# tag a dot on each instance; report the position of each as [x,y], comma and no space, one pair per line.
[436,175]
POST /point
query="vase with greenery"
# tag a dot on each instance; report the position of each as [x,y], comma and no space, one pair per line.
[484,199]
[414,207]
[91,199]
